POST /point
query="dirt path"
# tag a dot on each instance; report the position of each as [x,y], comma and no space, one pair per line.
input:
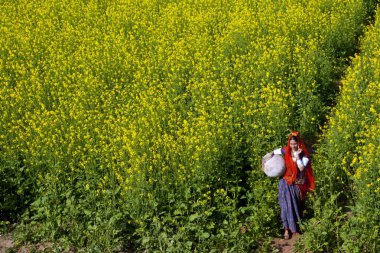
[5,243]
[285,246]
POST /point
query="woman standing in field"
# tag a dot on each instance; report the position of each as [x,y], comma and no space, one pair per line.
[295,183]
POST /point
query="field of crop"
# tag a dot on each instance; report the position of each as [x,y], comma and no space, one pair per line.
[348,160]
[141,125]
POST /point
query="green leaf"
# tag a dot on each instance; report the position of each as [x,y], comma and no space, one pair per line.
[205,235]
[145,240]
[194,217]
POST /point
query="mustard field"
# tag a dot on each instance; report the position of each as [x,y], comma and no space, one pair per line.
[140,125]
[348,160]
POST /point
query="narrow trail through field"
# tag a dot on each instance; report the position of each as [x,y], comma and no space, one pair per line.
[285,246]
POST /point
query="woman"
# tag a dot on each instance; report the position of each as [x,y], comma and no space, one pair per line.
[295,183]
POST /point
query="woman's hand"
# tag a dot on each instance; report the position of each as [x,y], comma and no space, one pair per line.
[299,161]
[298,153]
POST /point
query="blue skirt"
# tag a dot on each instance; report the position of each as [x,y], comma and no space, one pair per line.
[289,200]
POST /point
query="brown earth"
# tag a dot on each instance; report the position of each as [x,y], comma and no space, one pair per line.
[285,246]
[5,243]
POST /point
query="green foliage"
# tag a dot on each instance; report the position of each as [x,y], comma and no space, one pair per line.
[347,159]
[141,124]
[321,230]
[15,190]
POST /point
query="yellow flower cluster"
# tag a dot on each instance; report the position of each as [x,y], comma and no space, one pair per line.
[142,88]
[354,126]
[352,150]
[346,164]
[142,94]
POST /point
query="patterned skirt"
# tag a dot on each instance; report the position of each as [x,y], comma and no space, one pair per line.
[289,200]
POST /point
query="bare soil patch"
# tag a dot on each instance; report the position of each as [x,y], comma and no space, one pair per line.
[285,246]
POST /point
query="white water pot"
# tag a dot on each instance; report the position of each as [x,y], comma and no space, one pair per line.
[273,165]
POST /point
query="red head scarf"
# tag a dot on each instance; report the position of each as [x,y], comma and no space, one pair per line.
[291,171]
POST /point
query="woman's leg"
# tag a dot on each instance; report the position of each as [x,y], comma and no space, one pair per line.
[289,204]
[286,234]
